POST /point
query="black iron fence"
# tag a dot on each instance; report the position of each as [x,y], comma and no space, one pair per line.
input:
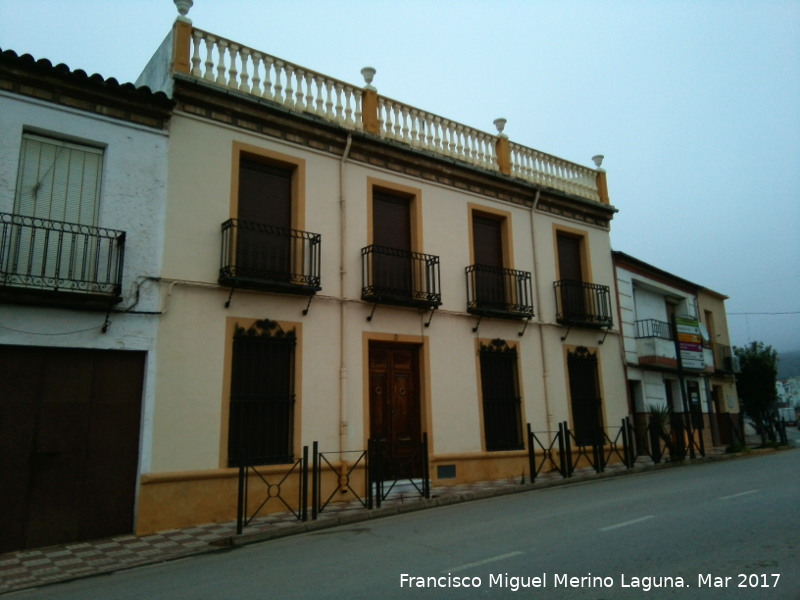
[397,467]
[369,476]
[60,257]
[653,328]
[267,257]
[583,304]
[400,277]
[499,292]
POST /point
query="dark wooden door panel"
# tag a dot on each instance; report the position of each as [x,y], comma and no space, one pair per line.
[69,437]
[395,404]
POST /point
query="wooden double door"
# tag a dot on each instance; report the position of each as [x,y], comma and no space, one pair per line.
[69,444]
[394,408]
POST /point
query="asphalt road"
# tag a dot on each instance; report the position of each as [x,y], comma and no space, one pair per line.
[728,529]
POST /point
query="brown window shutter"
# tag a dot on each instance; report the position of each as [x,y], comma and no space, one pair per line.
[265,193]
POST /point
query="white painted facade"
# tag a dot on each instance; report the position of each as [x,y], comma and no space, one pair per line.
[132,199]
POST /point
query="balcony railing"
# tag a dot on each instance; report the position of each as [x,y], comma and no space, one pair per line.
[68,261]
[269,258]
[583,304]
[497,292]
[222,62]
[653,328]
[724,360]
[391,276]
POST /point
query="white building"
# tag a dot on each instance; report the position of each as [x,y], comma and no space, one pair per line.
[82,187]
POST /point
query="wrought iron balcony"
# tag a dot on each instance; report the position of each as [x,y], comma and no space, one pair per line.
[583,304]
[54,262]
[498,292]
[391,276]
[724,359]
[653,328]
[265,257]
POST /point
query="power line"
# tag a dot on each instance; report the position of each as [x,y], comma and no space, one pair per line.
[796,312]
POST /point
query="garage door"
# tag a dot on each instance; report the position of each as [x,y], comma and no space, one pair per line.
[69,444]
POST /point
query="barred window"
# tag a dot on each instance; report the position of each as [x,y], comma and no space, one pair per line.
[501,398]
[261,424]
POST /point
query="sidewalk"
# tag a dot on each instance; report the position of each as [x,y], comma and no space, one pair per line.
[32,568]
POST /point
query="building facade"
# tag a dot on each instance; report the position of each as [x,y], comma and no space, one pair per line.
[340,267]
[82,190]
[676,356]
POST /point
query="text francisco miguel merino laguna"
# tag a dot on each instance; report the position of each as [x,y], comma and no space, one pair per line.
[565,580]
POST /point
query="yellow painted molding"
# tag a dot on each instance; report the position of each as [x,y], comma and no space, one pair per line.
[602,187]
[503,149]
[369,111]
[182,40]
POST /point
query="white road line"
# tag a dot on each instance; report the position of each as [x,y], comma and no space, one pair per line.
[482,562]
[738,495]
[626,523]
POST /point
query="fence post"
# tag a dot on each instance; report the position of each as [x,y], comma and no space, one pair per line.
[426,482]
[315,481]
[568,449]
[368,475]
[240,501]
[304,486]
[531,454]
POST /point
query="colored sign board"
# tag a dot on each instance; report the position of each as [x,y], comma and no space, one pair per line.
[690,342]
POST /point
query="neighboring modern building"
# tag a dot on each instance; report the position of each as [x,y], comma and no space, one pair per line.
[341,267]
[677,352]
[83,181]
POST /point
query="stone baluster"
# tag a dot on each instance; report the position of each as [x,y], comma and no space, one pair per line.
[380,118]
[310,107]
[256,89]
[320,102]
[233,52]
[221,46]
[359,110]
[244,78]
[209,74]
[268,61]
[289,91]
[300,97]
[329,114]
[196,54]
[278,87]
[339,109]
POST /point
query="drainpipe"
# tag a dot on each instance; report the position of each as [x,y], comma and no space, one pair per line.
[538,294]
[342,307]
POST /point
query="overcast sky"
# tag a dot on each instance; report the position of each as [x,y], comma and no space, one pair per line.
[695,104]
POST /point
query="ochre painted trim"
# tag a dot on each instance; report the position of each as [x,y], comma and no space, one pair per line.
[505,231]
[276,158]
[423,356]
[479,394]
[369,111]
[600,384]
[181,47]
[415,197]
[230,328]
[586,264]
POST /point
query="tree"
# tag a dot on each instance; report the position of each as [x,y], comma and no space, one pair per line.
[755,384]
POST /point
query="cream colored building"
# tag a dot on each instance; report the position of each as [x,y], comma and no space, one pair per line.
[341,267]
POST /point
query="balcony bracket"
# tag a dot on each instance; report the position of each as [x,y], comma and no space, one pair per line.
[604,336]
[477,324]
[564,337]
[305,310]
[374,306]
[228,301]
[527,322]
[430,318]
